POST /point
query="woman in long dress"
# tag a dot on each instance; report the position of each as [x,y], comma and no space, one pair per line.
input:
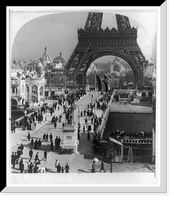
[93,167]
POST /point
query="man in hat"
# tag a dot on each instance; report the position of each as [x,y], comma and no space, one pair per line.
[45,154]
[31,154]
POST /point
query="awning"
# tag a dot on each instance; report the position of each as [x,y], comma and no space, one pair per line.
[115,141]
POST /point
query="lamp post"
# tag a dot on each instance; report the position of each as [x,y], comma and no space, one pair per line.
[110,154]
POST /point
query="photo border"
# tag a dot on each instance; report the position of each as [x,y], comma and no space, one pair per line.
[162,122]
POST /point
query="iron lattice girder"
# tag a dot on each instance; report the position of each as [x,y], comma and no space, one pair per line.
[95,42]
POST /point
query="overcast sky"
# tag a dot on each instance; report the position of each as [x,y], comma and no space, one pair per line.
[58,32]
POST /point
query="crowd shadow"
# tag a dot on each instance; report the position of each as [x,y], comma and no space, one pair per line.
[84,171]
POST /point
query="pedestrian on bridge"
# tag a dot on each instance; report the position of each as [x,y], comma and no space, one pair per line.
[102,166]
[67,168]
[52,146]
[36,157]
[31,154]
[35,144]
[32,143]
[46,137]
[58,168]
[28,136]
[88,136]
[51,137]
[55,125]
[83,128]
[45,154]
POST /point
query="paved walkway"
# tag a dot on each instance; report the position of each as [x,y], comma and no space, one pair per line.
[78,162]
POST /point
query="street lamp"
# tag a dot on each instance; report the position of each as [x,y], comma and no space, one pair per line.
[110,154]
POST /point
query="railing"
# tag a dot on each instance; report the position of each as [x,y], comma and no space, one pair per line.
[105,115]
[136,141]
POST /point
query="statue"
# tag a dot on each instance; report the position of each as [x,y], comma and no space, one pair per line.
[69,115]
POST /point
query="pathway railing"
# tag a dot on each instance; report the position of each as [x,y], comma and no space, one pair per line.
[105,115]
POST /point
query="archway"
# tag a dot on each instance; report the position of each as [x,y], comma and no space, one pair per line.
[118,72]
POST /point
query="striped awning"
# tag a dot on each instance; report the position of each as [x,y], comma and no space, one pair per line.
[115,141]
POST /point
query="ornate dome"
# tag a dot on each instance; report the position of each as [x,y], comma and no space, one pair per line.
[46,59]
[59,61]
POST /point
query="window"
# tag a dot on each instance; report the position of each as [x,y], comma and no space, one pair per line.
[150,94]
[13,89]
[41,91]
[22,88]
[46,93]
[34,89]
[143,94]
[28,92]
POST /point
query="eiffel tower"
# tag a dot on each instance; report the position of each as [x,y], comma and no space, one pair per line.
[95,42]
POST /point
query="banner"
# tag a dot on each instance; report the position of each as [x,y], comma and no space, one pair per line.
[99,83]
[105,84]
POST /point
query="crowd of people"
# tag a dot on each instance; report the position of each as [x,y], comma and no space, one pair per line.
[131,135]
[92,122]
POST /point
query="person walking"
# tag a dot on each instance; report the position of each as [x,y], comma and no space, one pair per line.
[89,128]
[21,166]
[35,144]
[51,137]
[67,168]
[28,136]
[55,125]
[35,170]
[93,170]
[88,136]
[36,157]
[52,146]
[45,154]
[62,169]
[31,154]
[56,142]
[102,166]
[56,163]
[32,143]
[46,136]
[13,160]
[83,128]
[58,168]
[39,144]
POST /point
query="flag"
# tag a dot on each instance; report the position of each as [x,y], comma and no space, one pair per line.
[105,84]
[105,77]
[99,83]
[109,76]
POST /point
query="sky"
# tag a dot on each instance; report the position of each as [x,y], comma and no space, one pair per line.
[58,32]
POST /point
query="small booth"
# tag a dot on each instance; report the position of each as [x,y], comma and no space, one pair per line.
[115,150]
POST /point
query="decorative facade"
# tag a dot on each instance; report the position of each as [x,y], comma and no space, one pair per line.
[55,77]
[17,85]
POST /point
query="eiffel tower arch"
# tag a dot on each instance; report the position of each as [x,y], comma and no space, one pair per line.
[95,42]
